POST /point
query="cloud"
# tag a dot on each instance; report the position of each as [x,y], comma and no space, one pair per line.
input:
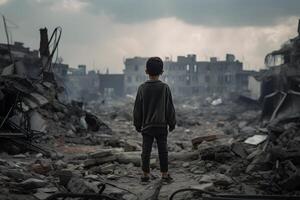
[172,37]
[2,2]
[199,12]
[69,6]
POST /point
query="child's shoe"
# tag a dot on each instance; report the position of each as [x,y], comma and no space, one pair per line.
[167,179]
[145,179]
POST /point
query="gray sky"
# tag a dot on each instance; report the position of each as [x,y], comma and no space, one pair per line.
[101,33]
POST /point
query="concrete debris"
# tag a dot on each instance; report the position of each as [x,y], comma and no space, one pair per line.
[8,70]
[239,149]
[256,139]
[216,179]
[204,186]
[37,123]
[216,102]
[32,183]
[199,140]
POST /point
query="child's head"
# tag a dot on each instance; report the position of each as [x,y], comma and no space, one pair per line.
[154,66]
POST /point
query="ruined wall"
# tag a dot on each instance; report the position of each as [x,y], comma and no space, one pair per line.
[111,83]
[83,87]
[134,73]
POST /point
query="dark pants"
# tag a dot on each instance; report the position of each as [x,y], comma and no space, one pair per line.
[160,135]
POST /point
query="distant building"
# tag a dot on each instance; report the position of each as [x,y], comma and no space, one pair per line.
[60,69]
[187,76]
[18,51]
[79,71]
[111,84]
[81,85]
[134,73]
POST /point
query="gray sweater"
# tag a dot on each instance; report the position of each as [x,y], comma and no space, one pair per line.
[154,106]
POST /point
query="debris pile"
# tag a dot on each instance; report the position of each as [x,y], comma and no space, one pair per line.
[31,103]
[262,157]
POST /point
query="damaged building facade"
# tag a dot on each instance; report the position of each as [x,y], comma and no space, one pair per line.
[187,76]
[92,85]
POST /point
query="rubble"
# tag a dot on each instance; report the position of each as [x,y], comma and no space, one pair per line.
[256,139]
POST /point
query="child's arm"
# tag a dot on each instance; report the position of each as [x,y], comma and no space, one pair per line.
[137,112]
[170,111]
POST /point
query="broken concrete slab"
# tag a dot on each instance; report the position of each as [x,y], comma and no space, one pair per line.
[32,183]
[96,161]
[239,149]
[100,153]
[8,70]
[38,98]
[80,185]
[256,139]
[204,186]
[216,179]
[200,139]
[131,145]
[37,123]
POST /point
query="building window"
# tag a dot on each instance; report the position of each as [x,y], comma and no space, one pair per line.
[136,68]
[187,67]
[188,80]
[195,68]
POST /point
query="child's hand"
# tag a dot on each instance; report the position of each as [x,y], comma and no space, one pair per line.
[171,128]
[138,129]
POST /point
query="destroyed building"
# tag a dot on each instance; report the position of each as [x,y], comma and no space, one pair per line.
[29,59]
[82,85]
[92,85]
[187,76]
[18,50]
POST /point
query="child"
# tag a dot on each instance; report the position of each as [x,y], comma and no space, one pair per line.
[152,115]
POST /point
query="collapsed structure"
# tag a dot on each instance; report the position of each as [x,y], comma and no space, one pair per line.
[31,94]
[280,97]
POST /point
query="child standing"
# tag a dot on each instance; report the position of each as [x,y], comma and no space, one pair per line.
[153,114]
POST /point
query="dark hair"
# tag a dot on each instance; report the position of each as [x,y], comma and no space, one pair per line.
[154,66]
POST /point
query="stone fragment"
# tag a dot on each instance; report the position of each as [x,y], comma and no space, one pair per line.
[41,168]
[101,153]
[198,140]
[216,178]
[204,186]
[98,161]
[32,183]
[239,149]
[131,145]
[186,164]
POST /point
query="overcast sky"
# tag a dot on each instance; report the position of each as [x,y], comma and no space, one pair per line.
[102,33]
